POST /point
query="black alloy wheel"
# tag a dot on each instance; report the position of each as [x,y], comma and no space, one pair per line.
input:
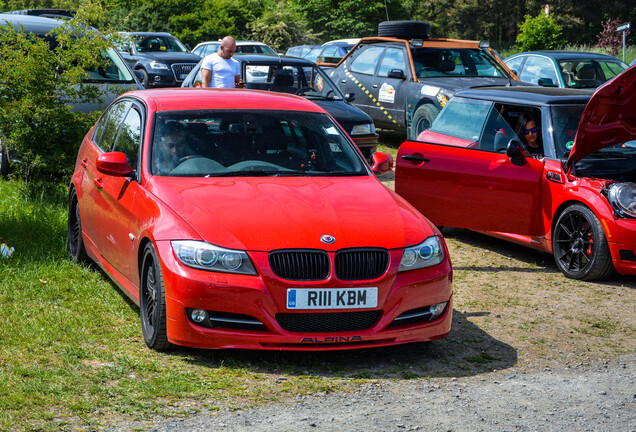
[580,246]
[74,239]
[152,301]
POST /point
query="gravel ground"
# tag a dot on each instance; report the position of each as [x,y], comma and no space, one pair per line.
[584,397]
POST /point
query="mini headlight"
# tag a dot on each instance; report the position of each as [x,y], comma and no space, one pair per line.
[205,256]
[622,196]
[426,254]
[158,65]
[363,129]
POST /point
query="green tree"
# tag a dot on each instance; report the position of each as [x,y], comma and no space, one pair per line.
[540,32]
[39,78]
[281,28]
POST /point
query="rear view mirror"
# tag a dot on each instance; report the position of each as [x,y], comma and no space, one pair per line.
[397,73]
[516,152]
[114,164]
[382,163]
[546,82]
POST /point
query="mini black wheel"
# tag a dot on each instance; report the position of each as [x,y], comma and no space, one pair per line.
[152,302]
[74,239]
[580,246]
[145,81]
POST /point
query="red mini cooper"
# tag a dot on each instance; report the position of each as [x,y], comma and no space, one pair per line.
[249,219]
[573,195]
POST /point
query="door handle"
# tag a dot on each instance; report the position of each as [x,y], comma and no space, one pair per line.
[98,183]
[344,81]
[415,158]
[375,86]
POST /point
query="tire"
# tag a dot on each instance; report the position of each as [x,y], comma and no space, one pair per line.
[4,161]
[580,246]
[405,29]
[152,302]
[422,120]
[75,241]
[145,80]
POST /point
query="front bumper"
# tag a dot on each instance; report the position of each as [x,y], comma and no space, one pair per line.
[366,143]
[262,298]
[624,254]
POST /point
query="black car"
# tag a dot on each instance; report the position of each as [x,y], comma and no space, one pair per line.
[304,78]
[160,57]
[385,72]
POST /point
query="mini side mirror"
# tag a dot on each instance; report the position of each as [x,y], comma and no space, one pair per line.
[350,97]
[114,164]
[516,152]
[382,163]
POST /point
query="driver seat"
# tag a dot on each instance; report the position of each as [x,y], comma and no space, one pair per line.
[283,82]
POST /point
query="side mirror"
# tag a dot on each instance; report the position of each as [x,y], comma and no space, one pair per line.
[350,97]
[382,163]
[397,73]
[546,82]
[114,164]
[516,152]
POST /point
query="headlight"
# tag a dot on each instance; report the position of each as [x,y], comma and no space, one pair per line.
[622,196]
[426,254]
[158,65]
[363,129]
[204,256]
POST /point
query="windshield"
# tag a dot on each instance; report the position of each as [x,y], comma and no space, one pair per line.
[159,44]
[307,80]
[565,122]
[589,73]
[250,143]
[113,71]
[442,62]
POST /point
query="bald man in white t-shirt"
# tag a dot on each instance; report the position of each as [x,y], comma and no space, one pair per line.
[219,69]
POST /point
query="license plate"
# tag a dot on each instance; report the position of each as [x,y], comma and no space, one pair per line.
[333,298]
[182,76]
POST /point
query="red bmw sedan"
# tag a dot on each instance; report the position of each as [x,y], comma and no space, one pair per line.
[246,219]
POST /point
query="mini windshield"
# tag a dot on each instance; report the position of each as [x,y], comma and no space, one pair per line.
[442,62]
[159,44]
[565,122]
[251,143]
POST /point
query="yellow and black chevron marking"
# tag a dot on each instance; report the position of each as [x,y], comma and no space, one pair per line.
[375,101]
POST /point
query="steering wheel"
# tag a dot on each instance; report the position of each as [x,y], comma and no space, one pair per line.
[302,90]
[185,158]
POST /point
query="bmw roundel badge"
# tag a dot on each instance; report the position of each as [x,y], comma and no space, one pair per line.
[327,239]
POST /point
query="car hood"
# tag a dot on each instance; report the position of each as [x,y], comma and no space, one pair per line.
[266,213]
[342,111]
[171,57]
[608,117]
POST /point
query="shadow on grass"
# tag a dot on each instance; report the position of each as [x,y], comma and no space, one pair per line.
[467,351]
[543,262]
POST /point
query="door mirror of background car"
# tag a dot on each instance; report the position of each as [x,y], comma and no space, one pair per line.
[350,97]
[516,152]
[397,73]
[114,164]
[546,82]
[382,163]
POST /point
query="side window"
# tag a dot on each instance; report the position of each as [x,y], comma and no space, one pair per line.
[497,132]
[106,130]
[462,118]
[366,61]
[538,67]
[393,59]
[129,138]
[515,63]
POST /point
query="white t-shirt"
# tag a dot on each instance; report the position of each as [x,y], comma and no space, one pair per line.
[223,71]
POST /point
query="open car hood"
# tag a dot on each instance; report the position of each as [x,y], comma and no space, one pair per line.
[609,117]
